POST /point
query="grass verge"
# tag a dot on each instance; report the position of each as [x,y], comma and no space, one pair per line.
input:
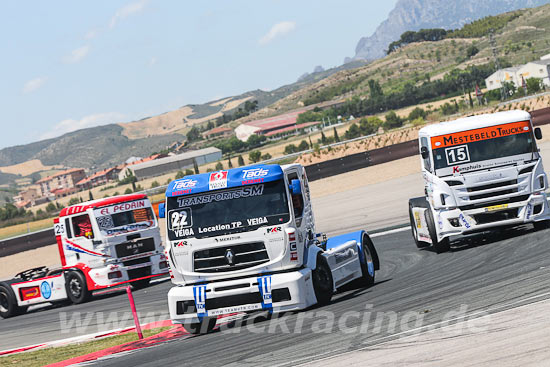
[57,354]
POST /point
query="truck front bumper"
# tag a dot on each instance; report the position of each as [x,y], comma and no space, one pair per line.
[278,292]
[458,222]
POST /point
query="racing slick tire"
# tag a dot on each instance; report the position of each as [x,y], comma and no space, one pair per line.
[8,302]
[439,246]
[205,326]
[77,289]
[322,281]
[368,267]
[412,204]
[142,283]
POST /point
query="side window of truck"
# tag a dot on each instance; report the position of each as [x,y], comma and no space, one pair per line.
[82,226]
[297,200]
[427,163]
[68,228]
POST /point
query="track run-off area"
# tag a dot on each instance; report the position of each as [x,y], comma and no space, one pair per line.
[417,292]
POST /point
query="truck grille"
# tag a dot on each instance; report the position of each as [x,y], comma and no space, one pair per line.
[136,261]
[245,256]
[509,190]
[485,218]
[135,247]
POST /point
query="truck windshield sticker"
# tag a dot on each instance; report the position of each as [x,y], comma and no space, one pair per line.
[227,211]
[114,222]
[512,144]
[458,154]
[485,133]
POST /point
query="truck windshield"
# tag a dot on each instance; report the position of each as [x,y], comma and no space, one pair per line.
[112,220]
[464,152]
[227,211]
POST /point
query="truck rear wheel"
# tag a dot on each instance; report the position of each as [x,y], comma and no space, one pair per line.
[322,281]
[205,326]
[77,289]
[414,229]
[8,302]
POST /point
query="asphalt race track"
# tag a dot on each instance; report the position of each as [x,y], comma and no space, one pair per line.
[484,273]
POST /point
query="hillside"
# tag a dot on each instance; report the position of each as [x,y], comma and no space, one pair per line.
[413,15]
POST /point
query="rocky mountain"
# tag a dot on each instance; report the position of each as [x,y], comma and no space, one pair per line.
[413,15]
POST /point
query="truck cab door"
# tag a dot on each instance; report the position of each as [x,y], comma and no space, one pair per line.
[79,240]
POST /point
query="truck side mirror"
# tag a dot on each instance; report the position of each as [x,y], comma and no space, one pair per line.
[162,210]
[295,187]
[424,152]
[538,133]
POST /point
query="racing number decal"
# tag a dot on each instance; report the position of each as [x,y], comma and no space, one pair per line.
[180,218]
[59,229]
[459,154]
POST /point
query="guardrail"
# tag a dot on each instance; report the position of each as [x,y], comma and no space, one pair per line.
[314,172]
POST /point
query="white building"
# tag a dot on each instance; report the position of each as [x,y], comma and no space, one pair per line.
[534,69]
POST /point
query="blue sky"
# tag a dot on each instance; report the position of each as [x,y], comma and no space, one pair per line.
[72,64]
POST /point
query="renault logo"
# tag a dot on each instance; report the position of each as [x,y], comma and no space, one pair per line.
[230,257]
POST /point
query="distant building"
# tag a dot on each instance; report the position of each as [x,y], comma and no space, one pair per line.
[534,69]
[218,132]
[61,180]
[99,178]
[29,197]
[172,163]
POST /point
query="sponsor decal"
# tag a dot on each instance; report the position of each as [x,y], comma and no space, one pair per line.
[183,232]
[293,246]
[46,289]
[129,228]
[264,285]
[243,192]
[417,219]
[218,180]
[529,211]
[180,218]
[439,221]
[255,175]
[257,221]
[199,293]
[464,221]
[220,227]
[71,246]
[293,256]
[123,207]
[181,244]
[185,184]
[241,308]
[225,239]
[274,230]
[486,133]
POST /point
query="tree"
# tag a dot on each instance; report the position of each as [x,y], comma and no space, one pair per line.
[472,50]
[127,191]
[90,196]
[254,140]
[74,201]
[240,161]
[154,184]
[392,121]
[303,146]
[189,172]
[290,148]
[219,166]
[352,132]
[416,113]
[375,89]
[194,134]
[266,156]
[533,85]
[254,156]
[229,164]
[336,137]
[51,207]
[323,138]
[449,109]
[179,175]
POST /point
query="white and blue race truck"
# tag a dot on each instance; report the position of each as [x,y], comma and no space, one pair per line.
[244,239]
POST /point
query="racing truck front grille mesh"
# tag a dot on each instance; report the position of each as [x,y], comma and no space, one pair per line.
[230,258]
[135,247]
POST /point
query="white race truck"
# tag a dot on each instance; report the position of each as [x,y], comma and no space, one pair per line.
[244,239]
[101,243]
[480,173]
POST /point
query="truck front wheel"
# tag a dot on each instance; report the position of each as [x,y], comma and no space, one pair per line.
[419,244]
[322,281]
[205,326]
[367,268]
[8,303]
[77,290]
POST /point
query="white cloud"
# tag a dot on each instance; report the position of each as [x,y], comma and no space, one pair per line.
[76,55]
[153,61]
[278,30]
[34,84]
[91,34]
[69,125]
[127,10]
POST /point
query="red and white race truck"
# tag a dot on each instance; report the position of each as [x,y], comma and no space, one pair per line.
[102,243]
